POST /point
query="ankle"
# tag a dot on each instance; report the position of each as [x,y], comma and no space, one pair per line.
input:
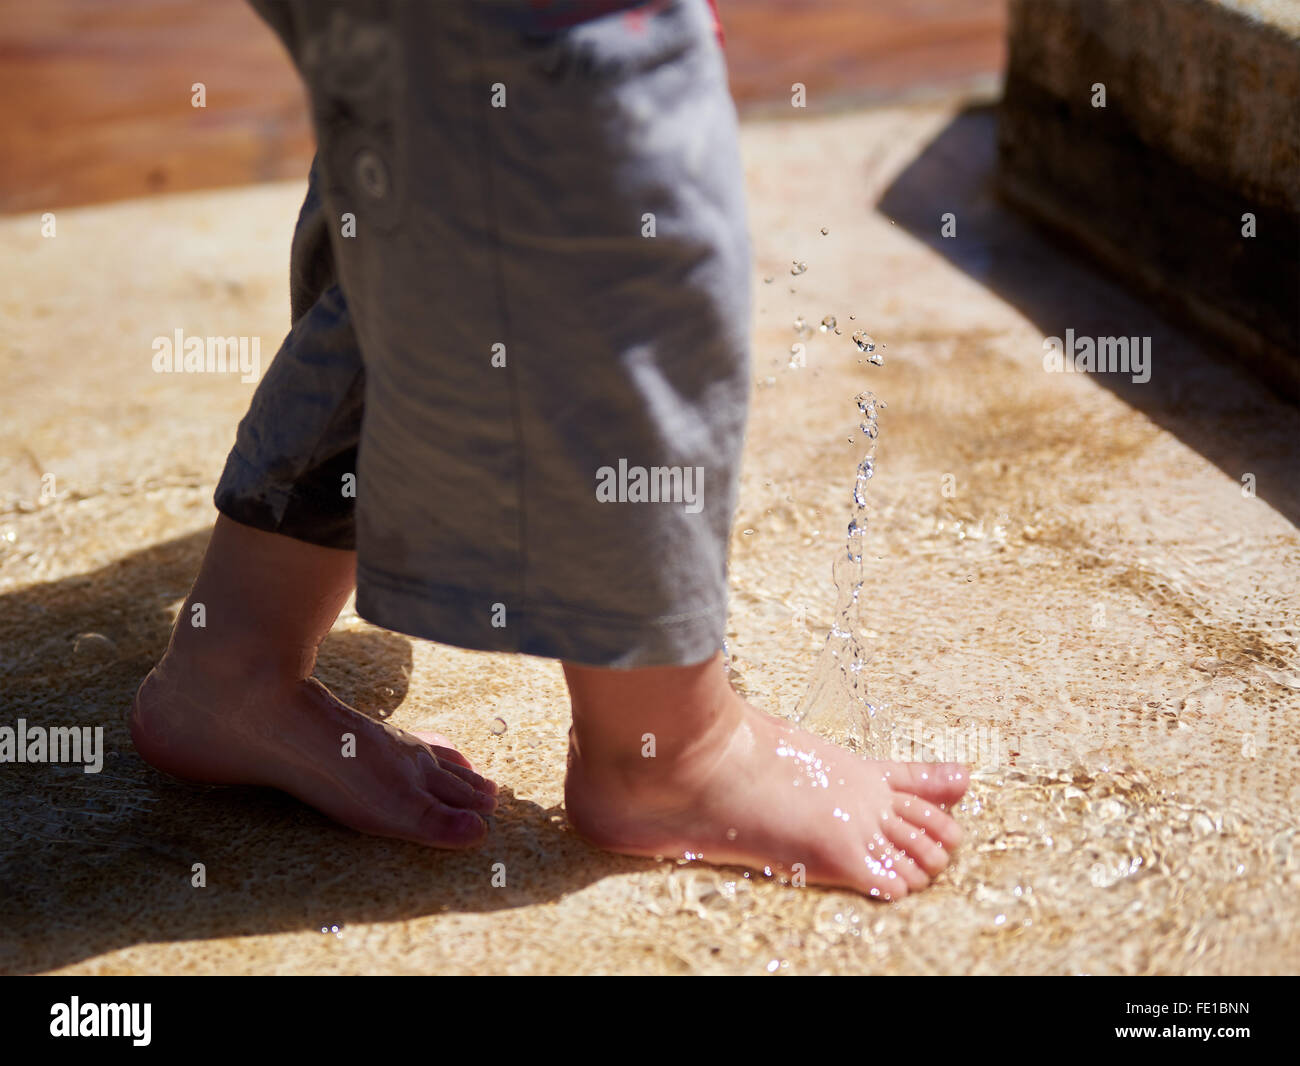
[663,754]
[212,659]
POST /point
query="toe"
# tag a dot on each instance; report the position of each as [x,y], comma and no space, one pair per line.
[454,790]
[897,859]
[939,782]
[892,872]
[478,781]
[885,889]
[441,826]
[443,749]
[913,841]
[938,825]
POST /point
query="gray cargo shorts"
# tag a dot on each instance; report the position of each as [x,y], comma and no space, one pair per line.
[517,376]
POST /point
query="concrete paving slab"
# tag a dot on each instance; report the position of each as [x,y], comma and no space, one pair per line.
[1095,579]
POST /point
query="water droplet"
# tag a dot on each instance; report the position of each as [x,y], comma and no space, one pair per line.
[852,317]
[498,726]
[797,267]
[732,834]
[866,470]
[748,532]
[825,231]
[773,966]
[801,327]
[768,280]
[94,648]
[864,341]
[828,324]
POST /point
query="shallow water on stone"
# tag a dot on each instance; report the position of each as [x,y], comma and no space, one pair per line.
[1080,854]
[1117,652]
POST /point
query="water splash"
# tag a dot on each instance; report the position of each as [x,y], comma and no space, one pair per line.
[1055,833]
[836,704]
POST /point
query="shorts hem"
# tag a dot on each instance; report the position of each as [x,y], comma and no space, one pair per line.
[463,618]
[278,508]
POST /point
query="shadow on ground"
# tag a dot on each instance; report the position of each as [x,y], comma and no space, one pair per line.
[1194,392]
[90,863]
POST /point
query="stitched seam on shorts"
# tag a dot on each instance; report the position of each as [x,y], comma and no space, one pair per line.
[485,168]
[430,591]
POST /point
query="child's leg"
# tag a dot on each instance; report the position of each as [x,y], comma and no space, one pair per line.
[671,762]
[234,702]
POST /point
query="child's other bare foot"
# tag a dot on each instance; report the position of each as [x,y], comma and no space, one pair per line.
[290,734]
[233,703]
[730,784]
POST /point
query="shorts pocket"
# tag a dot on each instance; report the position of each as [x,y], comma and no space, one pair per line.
[351,60]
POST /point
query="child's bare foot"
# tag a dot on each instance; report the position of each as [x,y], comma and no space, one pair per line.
[729,784]
[291,734]
[233,702]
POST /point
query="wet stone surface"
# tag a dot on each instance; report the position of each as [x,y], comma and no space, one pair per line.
[1060,576]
